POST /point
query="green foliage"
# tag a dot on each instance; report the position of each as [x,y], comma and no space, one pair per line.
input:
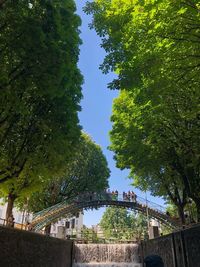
[165,230]
[87,171]
[139,142]
[172,210]
[119,224]
[154,47]
[40,88]
[89,234]
[191,212]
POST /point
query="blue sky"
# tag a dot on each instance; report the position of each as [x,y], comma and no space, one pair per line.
[97,108]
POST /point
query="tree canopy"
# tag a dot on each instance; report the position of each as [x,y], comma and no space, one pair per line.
[120,224]
[40,87]
[139,142]
[86,172]
[153,46]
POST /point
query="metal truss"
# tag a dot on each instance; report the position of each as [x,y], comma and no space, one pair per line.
[69,208]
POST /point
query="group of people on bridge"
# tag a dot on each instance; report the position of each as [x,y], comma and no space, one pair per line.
[130,196]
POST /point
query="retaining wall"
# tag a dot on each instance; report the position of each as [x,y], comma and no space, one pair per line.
[26,249]
[180,249]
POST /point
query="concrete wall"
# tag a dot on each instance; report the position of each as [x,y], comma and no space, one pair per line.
[27,249]
[180,249]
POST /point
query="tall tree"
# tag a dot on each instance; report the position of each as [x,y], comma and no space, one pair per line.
[40,89]
[86,172]
[137,139]
[153,46]
[40,86]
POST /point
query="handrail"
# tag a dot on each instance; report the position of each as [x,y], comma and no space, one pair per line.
[97,199]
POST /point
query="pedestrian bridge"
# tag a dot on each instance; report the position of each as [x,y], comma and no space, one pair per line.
[69,208]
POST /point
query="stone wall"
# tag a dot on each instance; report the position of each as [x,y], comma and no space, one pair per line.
[27,249]
[180,249]
[191,243]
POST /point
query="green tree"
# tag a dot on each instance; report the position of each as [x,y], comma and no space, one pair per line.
[172,210]
[119,224]
[89,234]
[87,171]
[40,86]
[139,144]
[153,46]
[40,92]
[20,188]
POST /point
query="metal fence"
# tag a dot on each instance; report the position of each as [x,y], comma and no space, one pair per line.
[3,222]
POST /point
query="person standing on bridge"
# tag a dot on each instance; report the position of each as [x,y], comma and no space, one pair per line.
[108,191]
[113,195]
[133,199]
[108,194]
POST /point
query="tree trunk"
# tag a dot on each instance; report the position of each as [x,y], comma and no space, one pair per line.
[47,229]
[181,214]
[9,214]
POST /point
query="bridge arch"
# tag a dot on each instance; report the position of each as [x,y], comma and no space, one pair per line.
[97,200]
